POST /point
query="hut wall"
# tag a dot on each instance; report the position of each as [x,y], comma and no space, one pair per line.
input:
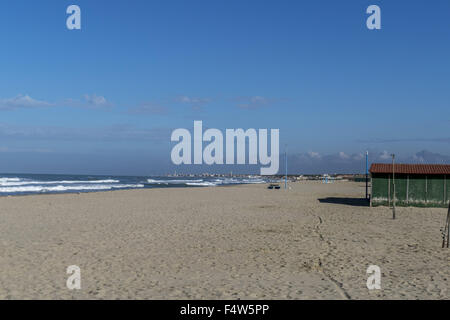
[414,190]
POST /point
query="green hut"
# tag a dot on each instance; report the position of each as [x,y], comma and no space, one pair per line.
[424,185]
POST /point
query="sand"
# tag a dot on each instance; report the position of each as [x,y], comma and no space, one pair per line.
[314,241]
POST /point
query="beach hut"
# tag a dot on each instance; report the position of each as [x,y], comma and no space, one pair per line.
[424,185]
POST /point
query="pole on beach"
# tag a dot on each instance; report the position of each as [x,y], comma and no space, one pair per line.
[448,226]
[367,175]
[285,177]
[393,185]
[446,231]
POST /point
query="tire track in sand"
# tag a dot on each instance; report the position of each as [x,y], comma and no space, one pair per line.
[339,286]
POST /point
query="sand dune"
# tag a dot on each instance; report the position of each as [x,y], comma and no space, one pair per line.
[243,242]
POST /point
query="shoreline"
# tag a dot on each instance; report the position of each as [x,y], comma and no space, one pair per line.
[125,189]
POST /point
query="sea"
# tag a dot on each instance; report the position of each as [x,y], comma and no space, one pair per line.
[27,184]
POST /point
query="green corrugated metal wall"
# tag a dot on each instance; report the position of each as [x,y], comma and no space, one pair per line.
[413,190]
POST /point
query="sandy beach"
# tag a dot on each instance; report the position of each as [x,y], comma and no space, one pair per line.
[314,241]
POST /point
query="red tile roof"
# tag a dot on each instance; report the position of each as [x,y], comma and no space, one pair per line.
[411,168]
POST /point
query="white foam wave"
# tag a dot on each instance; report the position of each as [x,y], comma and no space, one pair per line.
[6,180]
[202,184]
[205,183]
[153,181]
[254,181]
[19,182]
[61,188]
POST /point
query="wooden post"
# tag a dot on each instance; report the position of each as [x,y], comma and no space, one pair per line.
[445,189]
[407,189]
[393,186]
[448,226]
[389,190]
[446,232]
[367,174]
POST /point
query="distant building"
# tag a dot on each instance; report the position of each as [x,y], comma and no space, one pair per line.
[415,184]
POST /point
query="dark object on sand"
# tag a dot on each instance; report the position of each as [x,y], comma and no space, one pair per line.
[446,231]
[274,186]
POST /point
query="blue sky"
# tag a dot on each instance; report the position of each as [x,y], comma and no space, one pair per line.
[106,98]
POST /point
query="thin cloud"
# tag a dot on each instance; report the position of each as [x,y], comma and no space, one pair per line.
[384,155]
[96,101]
[430,157]
[343,155]
[23,102]
[148,108]
[88,102]
[119,132]
[197,104]
[396,140]
[251,103]
[255,102]
[192,100]
[24,150]
[26,102]
[341,162]
[315,155]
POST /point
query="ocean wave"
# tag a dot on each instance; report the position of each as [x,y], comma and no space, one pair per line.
[153,181]
[22,182]
[62,188]
[38,184]
[6,180]
[202,184]
[254,181]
